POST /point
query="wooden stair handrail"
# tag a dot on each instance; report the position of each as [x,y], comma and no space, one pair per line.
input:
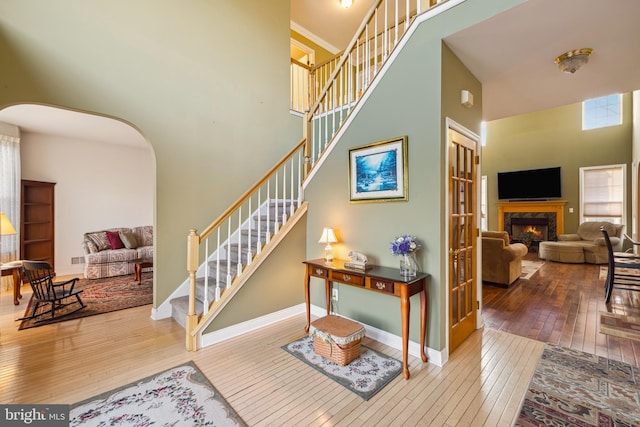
[249,192]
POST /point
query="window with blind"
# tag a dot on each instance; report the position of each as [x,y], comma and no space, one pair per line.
[602,190]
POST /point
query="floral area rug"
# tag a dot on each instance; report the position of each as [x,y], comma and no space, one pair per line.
[364,376]
[181,396]
[529,268]
[572,388]
[100,296]
[620,325]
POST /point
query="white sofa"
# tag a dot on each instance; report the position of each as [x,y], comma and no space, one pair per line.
[105,258]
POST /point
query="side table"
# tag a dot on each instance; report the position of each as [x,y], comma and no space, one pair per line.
[15,269]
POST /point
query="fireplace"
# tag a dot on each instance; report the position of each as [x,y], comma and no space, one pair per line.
[535,213]
[538,228]
[542,224]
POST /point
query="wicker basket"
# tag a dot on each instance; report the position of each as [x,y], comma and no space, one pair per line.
[337,339]
[339,354]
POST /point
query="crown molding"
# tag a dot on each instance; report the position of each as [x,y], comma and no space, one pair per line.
[314,38]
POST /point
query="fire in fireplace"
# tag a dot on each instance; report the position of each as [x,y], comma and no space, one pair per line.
[530,229]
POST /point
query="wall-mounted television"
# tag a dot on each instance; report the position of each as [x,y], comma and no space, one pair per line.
[532,184]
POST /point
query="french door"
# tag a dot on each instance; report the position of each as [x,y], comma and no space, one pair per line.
[463,232]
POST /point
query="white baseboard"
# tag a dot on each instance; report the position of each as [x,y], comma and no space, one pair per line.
[436,357]
[251,325]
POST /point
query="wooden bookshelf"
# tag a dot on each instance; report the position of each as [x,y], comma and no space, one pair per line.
[37,241]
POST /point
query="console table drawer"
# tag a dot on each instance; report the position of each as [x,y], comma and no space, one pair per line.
[381,285]
[319,271]
[348,278]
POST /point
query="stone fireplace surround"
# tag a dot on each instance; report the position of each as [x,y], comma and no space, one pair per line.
[552,211]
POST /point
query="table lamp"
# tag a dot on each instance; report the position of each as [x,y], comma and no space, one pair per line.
[6,228]
[328,237]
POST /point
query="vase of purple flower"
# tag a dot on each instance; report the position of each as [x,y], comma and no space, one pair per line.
[405,247]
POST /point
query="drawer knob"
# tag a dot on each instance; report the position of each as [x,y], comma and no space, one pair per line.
[319,272]
[380,285]
[346,278]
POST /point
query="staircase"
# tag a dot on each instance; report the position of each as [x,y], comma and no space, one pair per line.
[227,264]
[243,241]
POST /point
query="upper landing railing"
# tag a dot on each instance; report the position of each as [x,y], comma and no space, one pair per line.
[336,85]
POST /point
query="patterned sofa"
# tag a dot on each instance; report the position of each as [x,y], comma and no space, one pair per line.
[111,252]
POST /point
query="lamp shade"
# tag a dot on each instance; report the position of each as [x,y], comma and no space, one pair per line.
[6,227]
[328,236]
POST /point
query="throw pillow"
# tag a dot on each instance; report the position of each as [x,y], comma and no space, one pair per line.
[114,240]
[101,241]
[128,239]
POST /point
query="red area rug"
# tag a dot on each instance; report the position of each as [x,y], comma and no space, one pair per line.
[100,296]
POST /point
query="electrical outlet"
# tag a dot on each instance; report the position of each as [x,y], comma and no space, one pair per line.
[334,294]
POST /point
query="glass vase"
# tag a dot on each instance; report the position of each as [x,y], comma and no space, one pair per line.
[408,265]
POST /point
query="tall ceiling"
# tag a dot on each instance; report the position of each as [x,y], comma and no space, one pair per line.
[511,54]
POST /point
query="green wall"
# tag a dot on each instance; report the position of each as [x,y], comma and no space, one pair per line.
[550,138]
[418,91]
[206,82]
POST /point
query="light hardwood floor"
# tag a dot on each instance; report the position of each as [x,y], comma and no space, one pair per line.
[482,384]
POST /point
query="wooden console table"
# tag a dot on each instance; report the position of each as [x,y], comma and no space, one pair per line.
[377,279]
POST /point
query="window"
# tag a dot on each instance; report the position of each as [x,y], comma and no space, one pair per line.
[602,193]
[602,112]
[484,221]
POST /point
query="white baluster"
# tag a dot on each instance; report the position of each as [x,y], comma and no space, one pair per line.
[259,240]
[205,303]
[249,248]
[218,250]
[239,270]
[268,211]
[229,252]
[284,194]
[276,224]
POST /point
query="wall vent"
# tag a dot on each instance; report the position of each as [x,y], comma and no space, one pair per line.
[77,260]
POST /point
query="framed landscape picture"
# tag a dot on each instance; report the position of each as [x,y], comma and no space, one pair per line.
[378,171]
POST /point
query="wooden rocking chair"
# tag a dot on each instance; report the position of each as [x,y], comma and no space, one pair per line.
[46,292]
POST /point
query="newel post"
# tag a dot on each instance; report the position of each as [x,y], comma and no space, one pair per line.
[193,245]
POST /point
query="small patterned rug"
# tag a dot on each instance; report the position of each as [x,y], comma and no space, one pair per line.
[100,296]
[529,268]
[620,325]
[181,396]
[572,388]
[364,376]
[604,269]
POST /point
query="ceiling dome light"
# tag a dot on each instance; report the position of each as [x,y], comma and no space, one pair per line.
[346,3]
[570,62]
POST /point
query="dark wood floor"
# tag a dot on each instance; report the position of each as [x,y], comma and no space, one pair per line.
[561,304]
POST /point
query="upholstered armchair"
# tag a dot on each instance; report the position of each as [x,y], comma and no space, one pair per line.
[501,260]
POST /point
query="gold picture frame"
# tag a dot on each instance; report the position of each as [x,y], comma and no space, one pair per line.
[378,172]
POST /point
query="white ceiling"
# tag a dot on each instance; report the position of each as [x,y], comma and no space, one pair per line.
[511,54]
[42,119]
